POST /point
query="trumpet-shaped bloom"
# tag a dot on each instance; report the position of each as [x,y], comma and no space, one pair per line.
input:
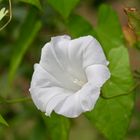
[69,76]
[3,12]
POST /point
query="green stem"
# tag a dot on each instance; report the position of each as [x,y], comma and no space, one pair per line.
[18,100]
[119,95]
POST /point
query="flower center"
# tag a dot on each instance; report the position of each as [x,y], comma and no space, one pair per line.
[78,82]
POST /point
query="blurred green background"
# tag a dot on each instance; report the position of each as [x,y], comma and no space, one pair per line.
[32,25]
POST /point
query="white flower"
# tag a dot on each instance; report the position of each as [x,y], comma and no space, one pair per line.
[69,76]
[3,12]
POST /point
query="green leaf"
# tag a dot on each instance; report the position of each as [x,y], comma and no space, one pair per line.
[34,2]
[28,32]
[121,78]
[75,31]
[108,28]
[2,121]
[64,7]
[58,126]
[112,116]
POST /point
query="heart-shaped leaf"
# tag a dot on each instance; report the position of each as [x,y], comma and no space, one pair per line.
[112,116]
[64,7]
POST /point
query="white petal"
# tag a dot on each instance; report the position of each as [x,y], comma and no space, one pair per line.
[41,96]
[82,101]
[93,53]
[75,55]
[44,87]
[97,75]
[55,101]
[70,107]
[83,52]
[51,62]
[57,39]
[41,78]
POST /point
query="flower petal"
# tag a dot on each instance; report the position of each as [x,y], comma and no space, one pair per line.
[81,101]
[93,53]
[44,88]
[39,80]
[51,63]
[55,101]
[97,75]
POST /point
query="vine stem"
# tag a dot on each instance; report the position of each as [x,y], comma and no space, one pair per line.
[122,94]
[18,100]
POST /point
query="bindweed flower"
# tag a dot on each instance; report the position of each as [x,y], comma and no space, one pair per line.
[69,76]
[3,12]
